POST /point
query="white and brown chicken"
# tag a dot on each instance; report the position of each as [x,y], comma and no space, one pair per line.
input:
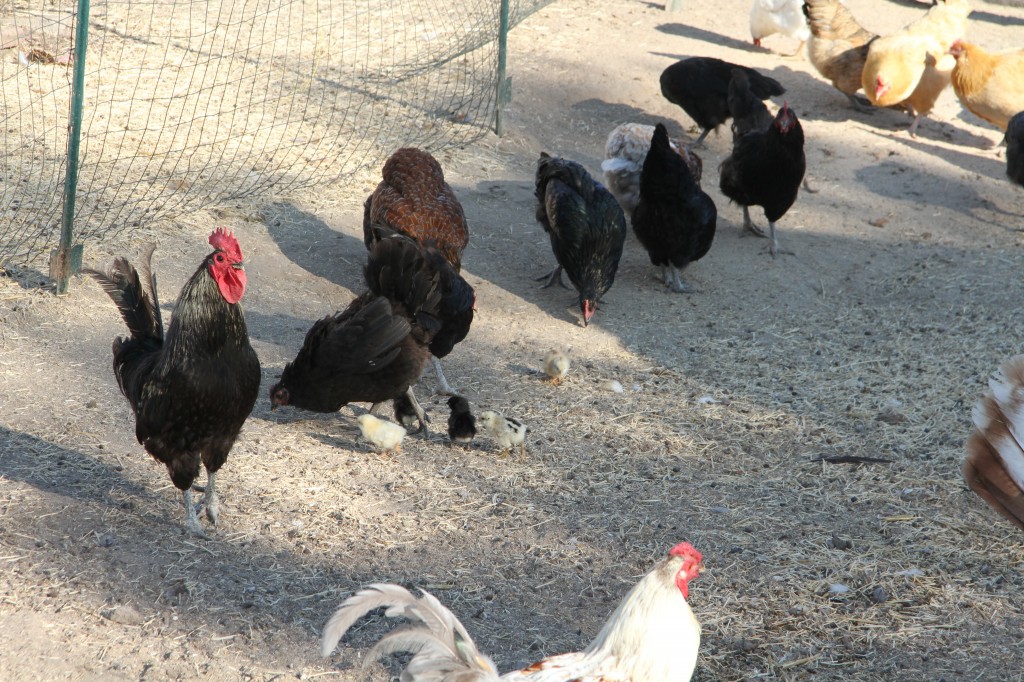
[625,151]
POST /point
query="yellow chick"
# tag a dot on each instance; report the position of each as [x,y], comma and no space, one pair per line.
[506,431]
[556,365]
[384,435]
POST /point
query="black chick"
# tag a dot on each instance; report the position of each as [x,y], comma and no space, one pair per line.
[1015,149]
[405,411]
[586,225]
[700,85]
[765,169]
[461,422]
[674,219]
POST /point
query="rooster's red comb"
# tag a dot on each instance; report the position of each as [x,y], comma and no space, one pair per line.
[685,549]
[223,240]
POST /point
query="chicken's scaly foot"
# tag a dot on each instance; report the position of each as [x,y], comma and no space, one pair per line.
[552,277]
[446,388]
[210,500]
[421,416]
[699,142]
[913,126]
[191,517]
[799,49]
[749,227]
[773,243]
[861,104]
[678,285]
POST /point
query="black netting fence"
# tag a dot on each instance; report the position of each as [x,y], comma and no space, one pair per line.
[196,102]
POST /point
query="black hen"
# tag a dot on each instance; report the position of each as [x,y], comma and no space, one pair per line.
[586,226]
[192,388]
[375,349]
[749,114]
[674,219]
[765,169]
[1015,149]
[700,85]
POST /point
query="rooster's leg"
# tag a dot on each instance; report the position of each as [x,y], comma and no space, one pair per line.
[860,104]
[678,285]
[913,126]
[446,388]
[420,414]
[749,226]
[699,142]
[552,277]
[191,518]
[210,500]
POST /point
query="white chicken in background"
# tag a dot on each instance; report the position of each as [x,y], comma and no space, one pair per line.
[652,636]
[506,431]
[384,435]
[768,17]
[625,151]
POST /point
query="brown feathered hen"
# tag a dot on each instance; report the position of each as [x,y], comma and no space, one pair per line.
[838,47]
[995,459]
[414,199]
[991,86]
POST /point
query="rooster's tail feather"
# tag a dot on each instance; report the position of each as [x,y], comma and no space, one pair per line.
[442,648]
[994,468]
[134,296]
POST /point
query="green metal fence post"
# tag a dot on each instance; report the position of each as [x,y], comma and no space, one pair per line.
[504,95]
[67,259]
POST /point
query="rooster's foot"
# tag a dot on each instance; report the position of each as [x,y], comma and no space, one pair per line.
[192,516]
[552,277]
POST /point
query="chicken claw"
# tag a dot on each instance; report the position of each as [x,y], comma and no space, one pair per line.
[552,277]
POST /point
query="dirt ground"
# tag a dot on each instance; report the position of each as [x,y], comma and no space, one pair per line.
[873,340]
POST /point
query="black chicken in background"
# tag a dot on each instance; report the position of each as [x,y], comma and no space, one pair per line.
[765,169]
[700,85]
[748,111]
[192,388]
[1015,149]
[674,219]
[586,226]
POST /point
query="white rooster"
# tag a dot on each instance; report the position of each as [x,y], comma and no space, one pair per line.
[768,17]
[995,459]
[652,636]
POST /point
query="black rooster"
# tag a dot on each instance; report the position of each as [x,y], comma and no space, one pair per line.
[375,349]
[1015,149]
[765,169]
[674,219]
[700,85]
[192,388]
[586,226]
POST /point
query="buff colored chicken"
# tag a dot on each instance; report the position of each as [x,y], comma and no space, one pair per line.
[990,86]
[652,636]
[838,47]
[913,66]
[995,459]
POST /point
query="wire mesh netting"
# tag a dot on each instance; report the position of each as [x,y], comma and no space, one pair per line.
[196,102]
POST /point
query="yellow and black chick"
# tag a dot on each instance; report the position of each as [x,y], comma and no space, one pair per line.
[405,412]
[461,422]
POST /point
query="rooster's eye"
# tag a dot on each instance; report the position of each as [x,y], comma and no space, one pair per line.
[220,257]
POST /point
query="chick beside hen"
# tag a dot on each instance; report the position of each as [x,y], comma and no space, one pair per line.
[700,85]
[674,219]
[586,226]
[461,422]
[625,151]
[838,47]
[990,86]
[768,17]
[505,431]
[1015,149]
[994,468]
[556,365]
[384,435]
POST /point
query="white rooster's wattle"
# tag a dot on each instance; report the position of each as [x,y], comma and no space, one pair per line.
[652,636]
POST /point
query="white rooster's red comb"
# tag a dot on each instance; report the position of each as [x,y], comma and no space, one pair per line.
[685,549]
[223,240]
